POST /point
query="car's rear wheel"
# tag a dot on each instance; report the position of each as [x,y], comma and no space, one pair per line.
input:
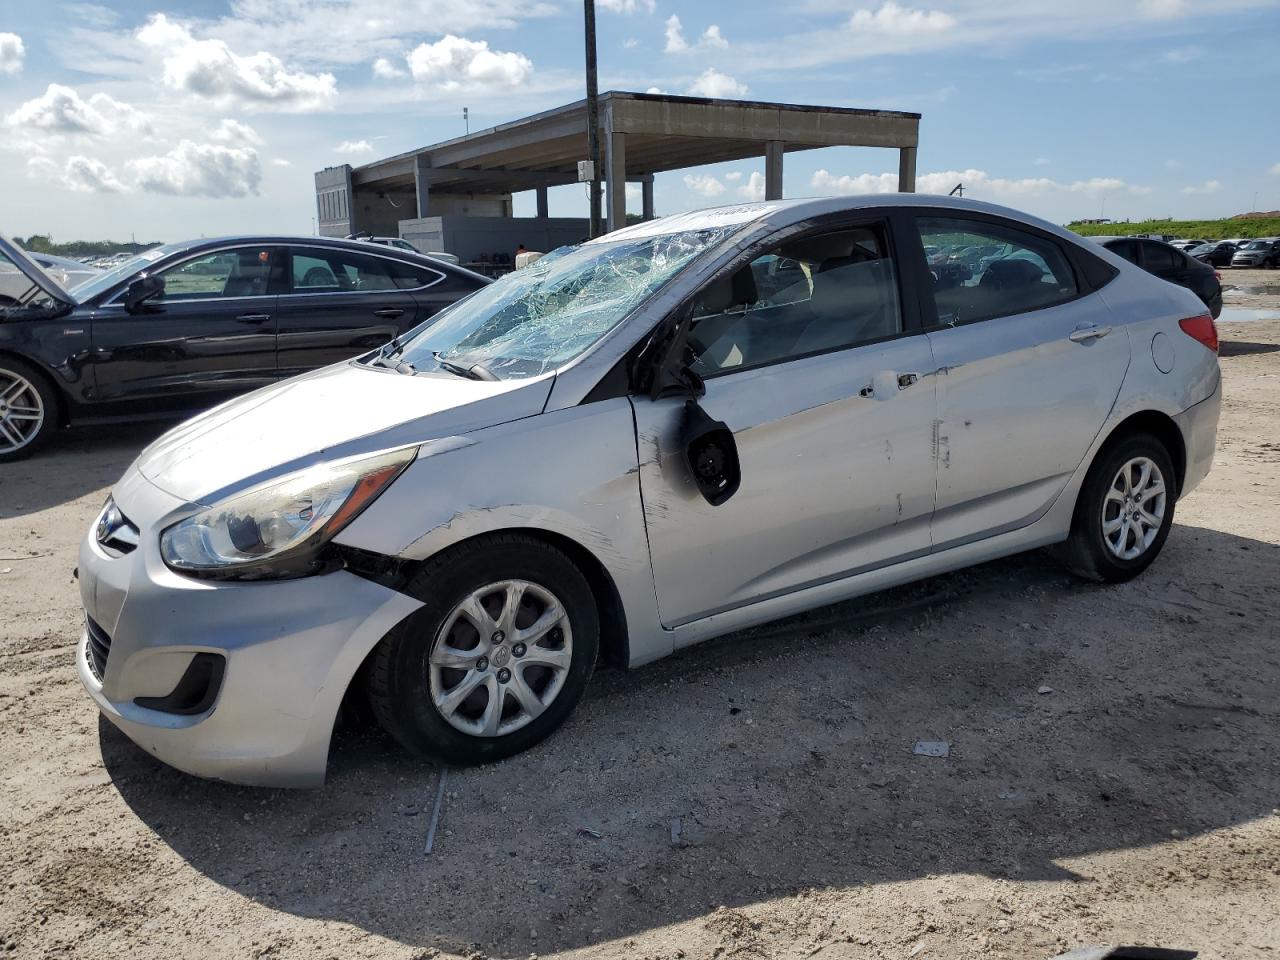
[495,659]
[1124,511]
[28,409]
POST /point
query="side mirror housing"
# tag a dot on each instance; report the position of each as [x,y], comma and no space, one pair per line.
[711,453]
[141,290]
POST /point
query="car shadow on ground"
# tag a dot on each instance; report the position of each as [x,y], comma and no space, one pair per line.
[77,461]
[1080,718]
[1239,348]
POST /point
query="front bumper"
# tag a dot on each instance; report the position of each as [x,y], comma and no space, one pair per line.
[290,650]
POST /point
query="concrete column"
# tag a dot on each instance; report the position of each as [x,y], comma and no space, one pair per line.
[773,170]
[907,170]
[421,184]
[615,178]
[542,202]
[646,197]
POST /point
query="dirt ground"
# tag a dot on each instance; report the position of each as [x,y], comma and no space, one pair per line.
[1114,774]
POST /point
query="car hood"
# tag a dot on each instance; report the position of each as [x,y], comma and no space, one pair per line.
[340,411]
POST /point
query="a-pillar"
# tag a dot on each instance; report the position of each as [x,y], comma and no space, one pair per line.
[907,170]
[773,170]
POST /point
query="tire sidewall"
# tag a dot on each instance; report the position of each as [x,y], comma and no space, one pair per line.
[415,720]
[48,397]
[1089,517]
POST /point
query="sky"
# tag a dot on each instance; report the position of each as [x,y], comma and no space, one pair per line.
[169,119]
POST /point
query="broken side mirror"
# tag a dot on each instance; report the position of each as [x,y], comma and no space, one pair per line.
[711,453]
[141,290]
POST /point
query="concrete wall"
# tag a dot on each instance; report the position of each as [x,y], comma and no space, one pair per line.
[471,238]
[333,201]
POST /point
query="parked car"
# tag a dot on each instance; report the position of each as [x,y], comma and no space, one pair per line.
[69,273]
[1172,265]
[401,244]
[1185,245]
[188,325]
[626,448]
[1214,254]
[1258,253]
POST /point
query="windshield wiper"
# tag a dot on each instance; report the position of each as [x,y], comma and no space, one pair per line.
[477,371]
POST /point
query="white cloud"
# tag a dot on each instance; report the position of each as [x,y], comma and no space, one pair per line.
[711,38]
[1182,54]
[280,162]
[1164,9]
[212,70]
[733,176]
[1275,170]
[1041,161]
[1209,186]
[706,186]
[629,7]
[630,43]
[354,147]
[200,170]
[901,21]
[384,69]
[80,174]
[753,189]
[11,53]
[237,133]
[61,110]
[977,183]
[452,62]
[712,83]
[657,90]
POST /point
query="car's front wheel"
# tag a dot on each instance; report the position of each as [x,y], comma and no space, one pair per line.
[495,659]
[1124,511]
[28,409]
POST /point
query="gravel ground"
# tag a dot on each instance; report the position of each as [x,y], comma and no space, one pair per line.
[1113,774]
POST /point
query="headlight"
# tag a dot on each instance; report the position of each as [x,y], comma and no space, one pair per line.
[274,530]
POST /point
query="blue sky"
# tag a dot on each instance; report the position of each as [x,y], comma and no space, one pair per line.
[171,119]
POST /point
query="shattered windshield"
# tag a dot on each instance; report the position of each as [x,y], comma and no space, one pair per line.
[539,318]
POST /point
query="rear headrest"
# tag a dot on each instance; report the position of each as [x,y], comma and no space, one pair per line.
[1011,273]
[732,291]
[850,284]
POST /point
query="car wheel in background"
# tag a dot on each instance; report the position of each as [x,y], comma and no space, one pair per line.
[1124,511]
[28,409]
[495,659]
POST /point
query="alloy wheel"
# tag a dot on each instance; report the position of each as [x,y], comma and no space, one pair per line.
[1133,509]
[500,658]
[22,411]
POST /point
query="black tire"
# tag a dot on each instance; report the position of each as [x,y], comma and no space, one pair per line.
[399,680]
[1086,553]
[11,367]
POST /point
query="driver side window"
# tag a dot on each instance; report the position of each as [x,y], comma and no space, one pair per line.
[810,295]
[245,272]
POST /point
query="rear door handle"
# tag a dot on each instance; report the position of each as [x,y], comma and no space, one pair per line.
[1085,334]
[254,318]
[389,312]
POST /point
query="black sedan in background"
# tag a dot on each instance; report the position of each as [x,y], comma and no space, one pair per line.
[185,326]
[1170,264]
[1214,254]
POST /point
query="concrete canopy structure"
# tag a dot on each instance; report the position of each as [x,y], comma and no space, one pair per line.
[641,134]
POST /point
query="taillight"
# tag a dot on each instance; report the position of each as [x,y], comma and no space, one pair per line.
[1201,328]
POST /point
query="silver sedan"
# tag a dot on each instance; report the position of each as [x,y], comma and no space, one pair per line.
[678,430]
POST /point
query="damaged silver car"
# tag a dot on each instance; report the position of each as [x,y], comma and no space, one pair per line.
[680,429]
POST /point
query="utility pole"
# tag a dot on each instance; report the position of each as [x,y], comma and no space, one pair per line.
[466,119]
[593,115]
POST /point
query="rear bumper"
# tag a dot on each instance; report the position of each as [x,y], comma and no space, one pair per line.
[1199,427]
[290,649]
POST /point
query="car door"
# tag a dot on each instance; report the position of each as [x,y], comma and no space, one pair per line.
[1029,365]
[828,394]
[208,336]
[340,303]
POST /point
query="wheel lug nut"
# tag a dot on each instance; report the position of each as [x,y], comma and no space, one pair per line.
[482,663]
[519,649]
[498,638]
[504,675]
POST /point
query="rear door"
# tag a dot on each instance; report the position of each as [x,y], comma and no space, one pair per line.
[340,303]
[210,334]
[1029,365]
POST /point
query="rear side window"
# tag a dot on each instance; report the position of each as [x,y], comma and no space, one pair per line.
[1158,258]
[982,270]
[408,276]
[317,270]
[1125,248]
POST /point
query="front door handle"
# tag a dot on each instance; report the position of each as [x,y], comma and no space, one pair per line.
[253,318]
[1083,334]
[390,313]
[907,379]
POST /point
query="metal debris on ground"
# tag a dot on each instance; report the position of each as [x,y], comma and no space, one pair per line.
[676,829]
[1045,689]
[586,832]
[435,813]
[932,748]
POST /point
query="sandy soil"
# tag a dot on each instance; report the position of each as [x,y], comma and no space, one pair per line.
[1134,801]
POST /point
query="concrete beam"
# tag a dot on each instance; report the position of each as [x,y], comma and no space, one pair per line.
[773,170]
[646,197]
[542,202]
[615,179]
[421,184]
[907,170]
